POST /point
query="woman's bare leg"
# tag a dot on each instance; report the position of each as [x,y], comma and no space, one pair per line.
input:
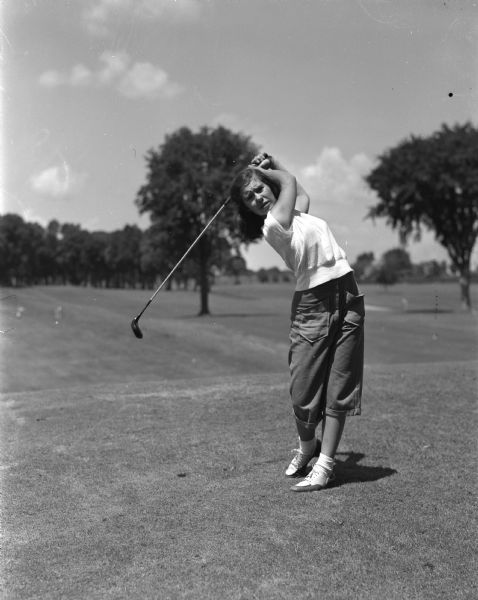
[332,429]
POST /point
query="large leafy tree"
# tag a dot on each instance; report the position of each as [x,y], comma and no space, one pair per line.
[188,178]
[432,182]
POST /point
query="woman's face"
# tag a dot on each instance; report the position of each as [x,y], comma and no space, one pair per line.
[258,197]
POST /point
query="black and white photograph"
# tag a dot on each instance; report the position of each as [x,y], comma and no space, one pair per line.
[238,299]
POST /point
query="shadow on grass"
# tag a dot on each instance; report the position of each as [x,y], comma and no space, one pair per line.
[350,471]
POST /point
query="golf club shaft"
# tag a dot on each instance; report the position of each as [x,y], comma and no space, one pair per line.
[183,257]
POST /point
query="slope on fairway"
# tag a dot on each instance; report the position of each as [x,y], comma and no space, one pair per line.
[175,490]
[247,333]
[93,341]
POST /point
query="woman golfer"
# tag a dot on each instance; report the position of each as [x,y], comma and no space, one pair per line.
[327,317]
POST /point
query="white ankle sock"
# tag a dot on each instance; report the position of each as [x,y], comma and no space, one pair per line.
[307,447]
[325,462]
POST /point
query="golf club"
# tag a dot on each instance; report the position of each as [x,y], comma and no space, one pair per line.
[135,322]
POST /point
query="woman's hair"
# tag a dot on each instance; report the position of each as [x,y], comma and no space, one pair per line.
[250,223]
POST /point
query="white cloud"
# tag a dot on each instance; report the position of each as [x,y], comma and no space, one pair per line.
[100,13]
[137,80]
[52,79]
[334,180]
[114,65]
[80,75]
[57,181]
[144,80]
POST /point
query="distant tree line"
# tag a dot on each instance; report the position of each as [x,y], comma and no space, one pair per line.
[395,265]
[67,254]
[274,275]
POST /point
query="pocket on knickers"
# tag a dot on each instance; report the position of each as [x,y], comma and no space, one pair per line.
[312,323]
[354,309]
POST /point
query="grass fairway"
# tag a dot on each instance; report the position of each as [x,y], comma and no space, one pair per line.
[146,469]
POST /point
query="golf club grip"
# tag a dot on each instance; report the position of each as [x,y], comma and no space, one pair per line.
[223,205]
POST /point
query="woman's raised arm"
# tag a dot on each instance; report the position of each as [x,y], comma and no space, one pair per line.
[266,161]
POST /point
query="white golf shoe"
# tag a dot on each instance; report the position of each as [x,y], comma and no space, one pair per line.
[298,465]
[317,479]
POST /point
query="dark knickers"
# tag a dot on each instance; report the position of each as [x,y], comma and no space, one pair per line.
[327,350]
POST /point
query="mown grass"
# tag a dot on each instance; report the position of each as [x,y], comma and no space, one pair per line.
[154,468]
[247,332]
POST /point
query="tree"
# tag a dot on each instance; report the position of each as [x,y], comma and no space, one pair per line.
[236,266]
[392,266]
[397,261]
[36,260]
[20,250]
[72,257]
[363,265]
[99,272]
[154,255]
[431,269]
[123,255]
[188,178]
[385,276]
[50,251]
[433,183]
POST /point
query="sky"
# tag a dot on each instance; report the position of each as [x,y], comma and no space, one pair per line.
[327,86]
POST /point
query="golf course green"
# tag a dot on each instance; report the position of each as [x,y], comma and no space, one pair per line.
[154,468]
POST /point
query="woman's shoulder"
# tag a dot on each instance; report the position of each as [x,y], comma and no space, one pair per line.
[300,221]
[307,217]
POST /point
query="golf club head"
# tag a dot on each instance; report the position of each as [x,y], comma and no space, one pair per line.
[135,327]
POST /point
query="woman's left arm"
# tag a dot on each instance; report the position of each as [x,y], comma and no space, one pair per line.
[302,202]
[265,161]
[284,206]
